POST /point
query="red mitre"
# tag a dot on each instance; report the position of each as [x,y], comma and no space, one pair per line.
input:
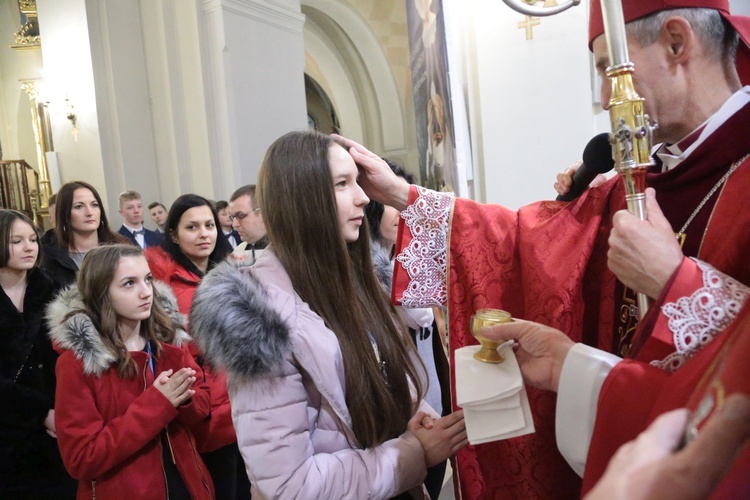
[635,9]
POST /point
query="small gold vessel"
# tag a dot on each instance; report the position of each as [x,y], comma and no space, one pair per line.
[488,317]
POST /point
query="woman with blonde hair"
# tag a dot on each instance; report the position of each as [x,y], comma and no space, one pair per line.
[324,381]
[128,390]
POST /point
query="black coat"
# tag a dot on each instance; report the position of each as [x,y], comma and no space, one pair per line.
[29,457]
[59,265]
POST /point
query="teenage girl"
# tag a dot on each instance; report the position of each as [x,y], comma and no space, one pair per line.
[128,390]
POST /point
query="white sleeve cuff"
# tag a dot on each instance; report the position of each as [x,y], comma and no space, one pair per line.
[581,379]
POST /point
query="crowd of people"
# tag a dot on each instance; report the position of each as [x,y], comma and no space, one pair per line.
[253,345]
[129,391]
[72,275]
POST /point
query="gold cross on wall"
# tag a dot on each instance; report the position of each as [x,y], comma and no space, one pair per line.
[528,23]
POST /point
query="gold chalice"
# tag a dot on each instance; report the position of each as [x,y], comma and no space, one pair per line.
[488,317]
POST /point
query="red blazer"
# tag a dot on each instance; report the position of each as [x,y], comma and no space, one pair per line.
[218,431]
[109,428]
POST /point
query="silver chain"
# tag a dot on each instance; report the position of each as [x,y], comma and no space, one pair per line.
[710,194]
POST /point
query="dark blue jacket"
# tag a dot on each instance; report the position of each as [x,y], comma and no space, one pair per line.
[151,238]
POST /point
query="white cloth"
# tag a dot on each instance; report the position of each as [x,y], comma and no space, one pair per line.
[417,318]
[581,379]
[492,396]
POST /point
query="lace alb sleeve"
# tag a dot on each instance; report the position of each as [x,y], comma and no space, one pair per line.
[696,320]
[425,257]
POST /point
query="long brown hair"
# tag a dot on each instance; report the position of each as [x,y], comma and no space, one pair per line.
[7,218]
[94,278]
[336,279]
[63,206]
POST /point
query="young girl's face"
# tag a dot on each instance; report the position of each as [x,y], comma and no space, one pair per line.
[131,291]
[196,233]
[85,213]
[389,224]
[23,248]
[350,199]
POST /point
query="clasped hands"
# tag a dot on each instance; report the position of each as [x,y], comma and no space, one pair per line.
[176,386]
[440,438]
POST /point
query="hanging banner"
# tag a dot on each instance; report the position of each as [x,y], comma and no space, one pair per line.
[431,90]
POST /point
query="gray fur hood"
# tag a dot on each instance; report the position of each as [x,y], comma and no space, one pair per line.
[72,329]
[235,324]
[381,263]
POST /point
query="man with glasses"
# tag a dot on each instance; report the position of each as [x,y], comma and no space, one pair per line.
[248,222]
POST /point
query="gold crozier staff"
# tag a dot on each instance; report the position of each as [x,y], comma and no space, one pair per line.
[632,133]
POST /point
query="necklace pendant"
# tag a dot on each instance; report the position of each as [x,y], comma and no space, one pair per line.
[680,238]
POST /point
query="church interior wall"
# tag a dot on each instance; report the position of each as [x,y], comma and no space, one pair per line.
[389,64]
[270,75]
[16,132]
[324,63]
[176,96]
[532,108]
[69,74]
[359,52]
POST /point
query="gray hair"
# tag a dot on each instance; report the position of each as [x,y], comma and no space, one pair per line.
[716,35]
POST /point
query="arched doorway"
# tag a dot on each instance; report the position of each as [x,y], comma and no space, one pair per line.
[321,115]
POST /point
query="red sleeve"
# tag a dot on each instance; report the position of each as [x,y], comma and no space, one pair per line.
[90,446]
[400,275]
[624,409]
[198,407]
[217,430]
[698,302]
[439,235]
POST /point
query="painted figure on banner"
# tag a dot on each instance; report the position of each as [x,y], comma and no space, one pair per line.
[431,90]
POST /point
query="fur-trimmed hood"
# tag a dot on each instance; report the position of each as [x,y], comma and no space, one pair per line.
[76,332]
[235,325]
[382,265]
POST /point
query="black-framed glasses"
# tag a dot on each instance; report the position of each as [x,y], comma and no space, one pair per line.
[242,215]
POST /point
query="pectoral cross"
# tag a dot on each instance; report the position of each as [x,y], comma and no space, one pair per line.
[528,23]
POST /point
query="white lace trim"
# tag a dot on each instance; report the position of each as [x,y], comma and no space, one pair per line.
[425,259]
[696,320]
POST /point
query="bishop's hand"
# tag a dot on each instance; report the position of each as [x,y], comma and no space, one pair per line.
[644,254]
[376,177]
[564,179]
[541,350]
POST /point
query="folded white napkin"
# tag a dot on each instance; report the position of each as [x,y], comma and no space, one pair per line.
[492,396]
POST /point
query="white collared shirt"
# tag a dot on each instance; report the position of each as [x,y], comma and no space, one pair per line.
[139,238]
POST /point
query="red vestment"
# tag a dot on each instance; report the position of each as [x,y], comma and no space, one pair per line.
[547,263]
[634,394]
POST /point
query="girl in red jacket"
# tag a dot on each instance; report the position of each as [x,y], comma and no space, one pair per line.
[190,249]
[127,389]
